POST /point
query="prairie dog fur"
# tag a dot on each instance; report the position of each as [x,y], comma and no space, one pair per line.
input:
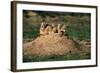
[46,29]
[61,29]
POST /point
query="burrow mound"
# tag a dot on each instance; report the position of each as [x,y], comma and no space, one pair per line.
[51,45]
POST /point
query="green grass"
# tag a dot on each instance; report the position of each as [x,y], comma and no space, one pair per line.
[75,56]
[81,32]
[31,31]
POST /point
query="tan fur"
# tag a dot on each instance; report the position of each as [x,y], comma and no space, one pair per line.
[60,29]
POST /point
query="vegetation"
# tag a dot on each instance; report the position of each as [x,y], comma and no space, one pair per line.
[74,56]
[78,26]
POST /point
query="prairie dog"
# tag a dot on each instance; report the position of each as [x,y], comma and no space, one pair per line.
[42,28]
[42,25]
[54,28]
[47,30]
[61,29]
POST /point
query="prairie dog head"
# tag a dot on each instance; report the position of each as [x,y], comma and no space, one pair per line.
[60,26]
[54,28]
[43,24]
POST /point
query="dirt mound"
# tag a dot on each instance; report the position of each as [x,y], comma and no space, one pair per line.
[51,45]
